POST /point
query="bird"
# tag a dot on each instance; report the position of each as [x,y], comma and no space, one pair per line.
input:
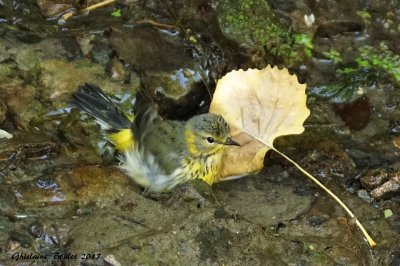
[156,153]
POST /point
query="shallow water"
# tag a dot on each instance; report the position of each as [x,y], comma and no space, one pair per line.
[63,198]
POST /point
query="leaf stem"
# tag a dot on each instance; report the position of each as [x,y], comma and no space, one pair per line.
[371,242]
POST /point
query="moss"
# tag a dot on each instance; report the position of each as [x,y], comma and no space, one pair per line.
[334,55]
[254,25]
[372,64]
[252,21]
[7,70]
[347,87]
[364,14]
[380,58]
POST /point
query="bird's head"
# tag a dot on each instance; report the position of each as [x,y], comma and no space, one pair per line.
[207,134]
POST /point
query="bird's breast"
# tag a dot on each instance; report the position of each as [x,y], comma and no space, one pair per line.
[205,168]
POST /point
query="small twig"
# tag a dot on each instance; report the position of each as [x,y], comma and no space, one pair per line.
[157,24]
[131,220]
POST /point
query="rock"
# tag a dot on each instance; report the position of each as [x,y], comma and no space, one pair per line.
[386,190]
[117,71]
[145,49]
[363,194]
[396,141]
[61,78]
[40,193]
[383,183]
[22,103]
[178,93]
[52,8]
[86,185]
[252,24]
[28,56]
[355,114]
[374,178]
[94,184]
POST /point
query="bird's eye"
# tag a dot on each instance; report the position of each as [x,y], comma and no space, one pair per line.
[210,140]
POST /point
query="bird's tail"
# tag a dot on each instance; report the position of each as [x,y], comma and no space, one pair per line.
[94,102]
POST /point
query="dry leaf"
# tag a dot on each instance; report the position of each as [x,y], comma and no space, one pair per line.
[259,106]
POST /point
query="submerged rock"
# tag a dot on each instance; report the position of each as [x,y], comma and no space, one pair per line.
[147,49]
[355,114]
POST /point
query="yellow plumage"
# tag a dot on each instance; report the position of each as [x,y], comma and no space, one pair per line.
[123,139]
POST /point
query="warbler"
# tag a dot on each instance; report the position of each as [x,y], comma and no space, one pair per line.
[157,153]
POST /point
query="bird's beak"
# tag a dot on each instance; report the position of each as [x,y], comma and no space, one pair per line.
[230,141]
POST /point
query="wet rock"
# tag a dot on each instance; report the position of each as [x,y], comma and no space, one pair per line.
[387,189]
[62,78]
[93,184]
[95,47]
[179,93]
[356,114]
[27,157]
[382,183]
[22,103]
[40,193]
[111,260]
[243,202]
[364,195]
[215,243]
[396,141]
[221,213]
[50,238]
[328,161]
[84,41]
[395,127]
[395,259]
[374,178]
[101,51]
[28,37]
[23,149]
[36,229]
[252,24]
[117,71]
[7,202]
[266,34]
[71,46]
[83,185]
[82,140]
[147,49]
[52,8]
[316,221]
[4,53]
[28,56]
[23,239]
